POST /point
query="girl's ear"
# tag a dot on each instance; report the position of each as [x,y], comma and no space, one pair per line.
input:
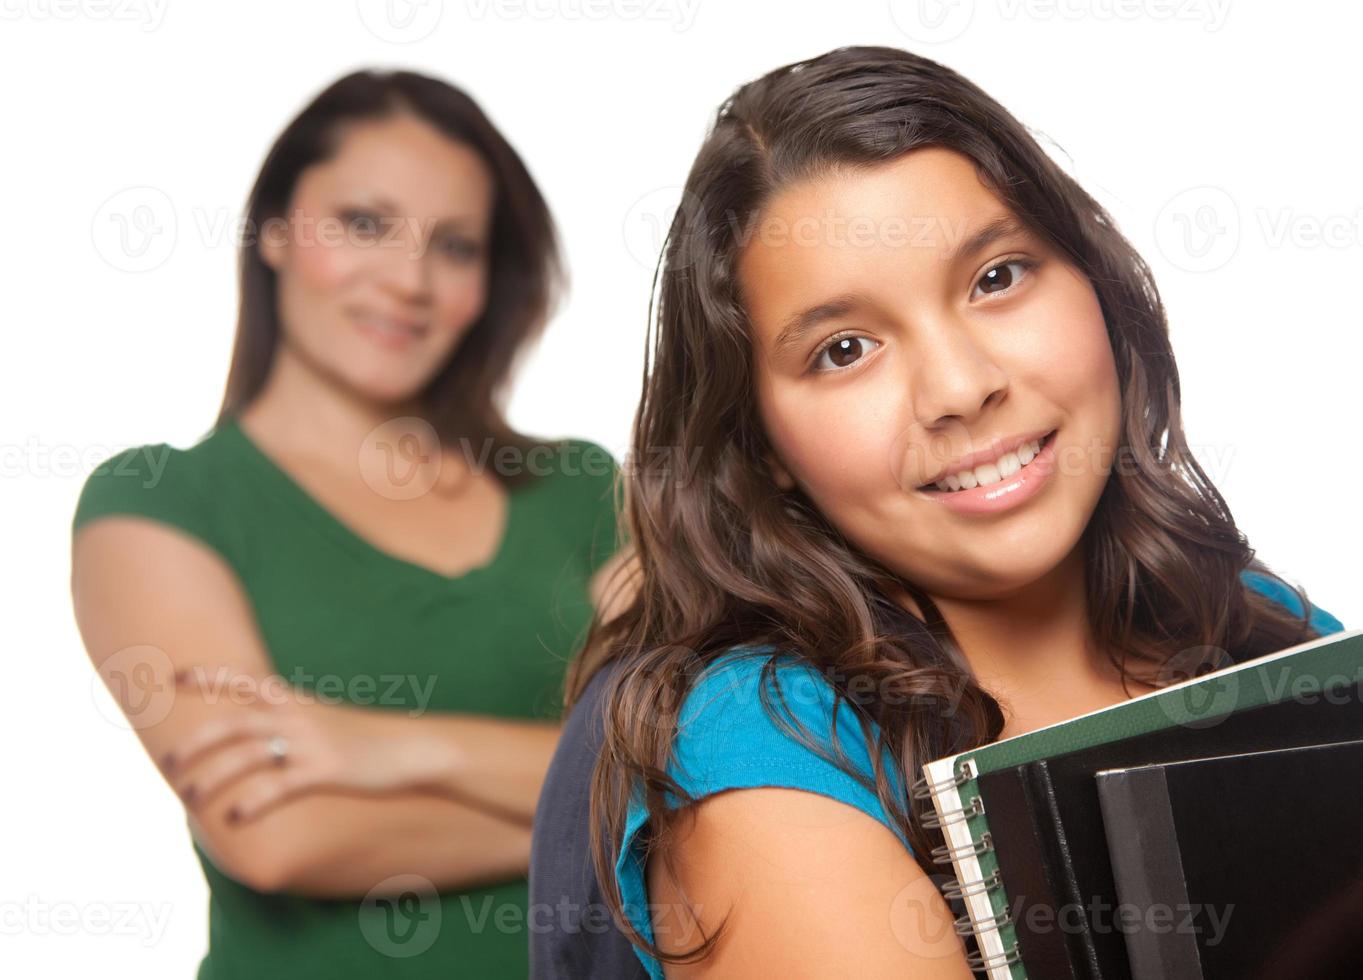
[778,472]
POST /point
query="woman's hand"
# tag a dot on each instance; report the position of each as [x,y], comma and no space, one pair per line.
[258,754]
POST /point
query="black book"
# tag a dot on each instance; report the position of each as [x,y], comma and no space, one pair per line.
[1264,842]
[1052,850]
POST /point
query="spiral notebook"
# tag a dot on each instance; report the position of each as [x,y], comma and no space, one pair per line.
[1053,840]
[1192,709]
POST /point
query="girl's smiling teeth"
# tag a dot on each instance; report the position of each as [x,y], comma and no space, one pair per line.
[995,471]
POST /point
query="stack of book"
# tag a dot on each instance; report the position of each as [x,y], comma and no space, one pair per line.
[1210,829]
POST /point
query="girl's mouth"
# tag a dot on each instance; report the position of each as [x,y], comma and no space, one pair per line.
[970,485]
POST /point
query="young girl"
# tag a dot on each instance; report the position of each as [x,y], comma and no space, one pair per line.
[909,477]
[363,525]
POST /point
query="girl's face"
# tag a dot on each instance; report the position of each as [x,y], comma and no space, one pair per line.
[938,349]
[382,266]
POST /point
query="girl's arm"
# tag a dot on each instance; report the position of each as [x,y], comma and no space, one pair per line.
[149,601]
[812,887]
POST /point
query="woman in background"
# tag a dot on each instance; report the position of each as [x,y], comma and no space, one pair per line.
[938,494]
[392,578]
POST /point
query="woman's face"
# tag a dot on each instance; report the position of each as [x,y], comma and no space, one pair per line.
[936,354]
[382,266]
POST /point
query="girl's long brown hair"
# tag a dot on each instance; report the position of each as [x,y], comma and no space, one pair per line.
[464,399]
[727,558]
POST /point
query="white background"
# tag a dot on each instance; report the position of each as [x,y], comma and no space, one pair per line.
[1238,120]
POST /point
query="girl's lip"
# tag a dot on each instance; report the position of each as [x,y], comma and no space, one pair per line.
[991,454]
[1005,494]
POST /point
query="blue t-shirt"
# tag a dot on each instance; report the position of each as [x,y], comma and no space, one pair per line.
[726,739]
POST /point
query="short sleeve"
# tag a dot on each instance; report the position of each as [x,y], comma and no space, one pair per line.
[155,481]
[726,739]
[1321,621]
[597,472]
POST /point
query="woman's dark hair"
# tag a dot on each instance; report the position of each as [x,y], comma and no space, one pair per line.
[525,269]
[727,558]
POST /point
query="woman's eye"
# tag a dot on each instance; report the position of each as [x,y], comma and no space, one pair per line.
[842,352]
[998,279]
[461,248]
[363,223]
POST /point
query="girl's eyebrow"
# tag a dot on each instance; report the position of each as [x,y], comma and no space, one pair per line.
[1003,226]
[796,327]
[801,324]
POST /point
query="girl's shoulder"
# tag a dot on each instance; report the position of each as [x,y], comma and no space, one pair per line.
[1276,589]
[731,733]
[758,717]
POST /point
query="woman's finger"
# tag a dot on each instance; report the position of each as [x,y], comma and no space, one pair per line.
[214,734]
[267,789]
[220,770]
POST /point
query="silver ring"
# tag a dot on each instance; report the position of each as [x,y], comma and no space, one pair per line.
[278,747]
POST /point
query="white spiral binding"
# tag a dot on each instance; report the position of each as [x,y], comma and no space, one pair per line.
[959,889]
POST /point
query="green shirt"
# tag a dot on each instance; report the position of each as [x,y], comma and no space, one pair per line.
[347,620]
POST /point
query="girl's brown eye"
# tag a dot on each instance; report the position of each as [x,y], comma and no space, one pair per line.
[841,352]
[999,280]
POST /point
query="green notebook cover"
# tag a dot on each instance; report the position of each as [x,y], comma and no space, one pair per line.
[1305,670]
